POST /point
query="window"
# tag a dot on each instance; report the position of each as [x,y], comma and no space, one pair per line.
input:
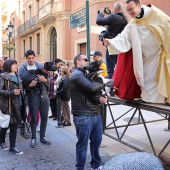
[13,31]
[83,48]
[30,43]
[4,52]
[23,16]
[37,7]
[24,47]
[38,43]
[29,11]
[14,51]
[81,28]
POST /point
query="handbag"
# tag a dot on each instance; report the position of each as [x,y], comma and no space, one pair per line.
[4,120]
[25,131]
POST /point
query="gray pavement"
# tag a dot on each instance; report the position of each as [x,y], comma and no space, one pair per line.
[60,155]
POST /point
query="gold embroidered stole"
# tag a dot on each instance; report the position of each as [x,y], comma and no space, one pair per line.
[159,23]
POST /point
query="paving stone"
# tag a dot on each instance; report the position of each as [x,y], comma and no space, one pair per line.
[60,155]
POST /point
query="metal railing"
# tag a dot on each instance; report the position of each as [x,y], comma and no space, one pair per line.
[28,25]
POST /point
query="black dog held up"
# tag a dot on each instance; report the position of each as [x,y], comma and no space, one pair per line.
[30,75]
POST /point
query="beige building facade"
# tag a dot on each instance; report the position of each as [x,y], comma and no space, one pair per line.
[44,26]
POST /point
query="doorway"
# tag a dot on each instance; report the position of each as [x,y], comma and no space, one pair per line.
[53,45]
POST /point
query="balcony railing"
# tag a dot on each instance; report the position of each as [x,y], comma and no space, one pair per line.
[27,25]
[49,8]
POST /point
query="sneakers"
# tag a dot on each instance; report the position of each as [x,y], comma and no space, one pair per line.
[66,124]
[4,147]
[63,122]
[99,168]
[15,151]
[45,141]
[33,143]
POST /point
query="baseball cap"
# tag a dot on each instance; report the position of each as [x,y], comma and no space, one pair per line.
[97,53]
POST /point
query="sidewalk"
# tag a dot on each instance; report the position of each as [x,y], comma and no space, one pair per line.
[60,155]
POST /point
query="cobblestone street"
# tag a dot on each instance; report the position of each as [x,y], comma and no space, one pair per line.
[60,155]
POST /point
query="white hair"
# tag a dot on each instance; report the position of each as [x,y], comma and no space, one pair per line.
[119,6]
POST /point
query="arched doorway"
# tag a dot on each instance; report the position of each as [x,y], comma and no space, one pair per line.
[53,45]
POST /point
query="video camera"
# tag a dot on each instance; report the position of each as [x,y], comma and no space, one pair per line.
[105,11]
[103,35]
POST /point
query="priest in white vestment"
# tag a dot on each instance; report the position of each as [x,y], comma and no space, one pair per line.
[149,51]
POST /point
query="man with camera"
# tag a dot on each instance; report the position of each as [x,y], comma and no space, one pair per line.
[37,98]
[86,114]
[115,23]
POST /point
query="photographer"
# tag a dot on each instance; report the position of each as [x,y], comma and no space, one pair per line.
[115,23]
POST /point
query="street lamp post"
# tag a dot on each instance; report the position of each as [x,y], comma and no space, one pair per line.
[9,31]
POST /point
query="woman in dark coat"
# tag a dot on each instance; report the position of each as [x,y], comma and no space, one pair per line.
[11,102]
[63,92]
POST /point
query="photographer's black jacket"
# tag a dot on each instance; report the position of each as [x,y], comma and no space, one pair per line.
[114,23]
[80,88]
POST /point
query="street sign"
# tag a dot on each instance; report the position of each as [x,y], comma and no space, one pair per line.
[78,22]
[78,18]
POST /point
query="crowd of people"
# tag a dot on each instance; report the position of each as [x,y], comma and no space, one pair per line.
[59,85]
[30,102]
[31,98]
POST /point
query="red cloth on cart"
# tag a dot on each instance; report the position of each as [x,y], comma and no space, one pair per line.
[125,83]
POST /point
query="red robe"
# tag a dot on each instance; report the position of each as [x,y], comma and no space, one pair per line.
[125,83]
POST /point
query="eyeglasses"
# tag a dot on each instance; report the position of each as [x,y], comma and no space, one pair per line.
[85,59]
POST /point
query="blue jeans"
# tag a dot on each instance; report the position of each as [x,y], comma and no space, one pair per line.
[88,127]
[111,61]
